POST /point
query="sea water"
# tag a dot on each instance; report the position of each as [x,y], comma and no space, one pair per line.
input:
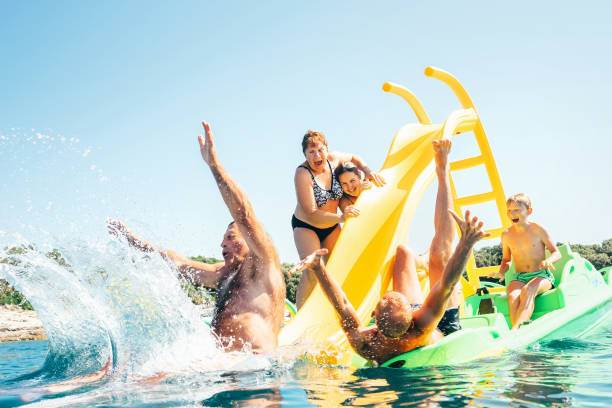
[560,374]
[106,306]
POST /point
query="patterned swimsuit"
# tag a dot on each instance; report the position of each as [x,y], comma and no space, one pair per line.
[322,197]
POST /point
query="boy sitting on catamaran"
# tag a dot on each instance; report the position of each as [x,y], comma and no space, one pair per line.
[525,243]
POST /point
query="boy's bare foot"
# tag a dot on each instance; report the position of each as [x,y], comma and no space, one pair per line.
[520,325]
[442,149]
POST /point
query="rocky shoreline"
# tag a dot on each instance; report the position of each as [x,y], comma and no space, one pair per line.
[17,324]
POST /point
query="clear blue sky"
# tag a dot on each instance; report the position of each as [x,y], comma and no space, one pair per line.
[132,80]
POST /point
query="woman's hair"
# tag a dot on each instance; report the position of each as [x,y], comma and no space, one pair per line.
[311,138]
[346,167]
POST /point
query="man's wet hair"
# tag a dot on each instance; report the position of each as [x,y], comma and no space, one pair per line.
[393,315]
[520,198]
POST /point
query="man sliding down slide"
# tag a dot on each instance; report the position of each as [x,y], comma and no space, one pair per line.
[403,320]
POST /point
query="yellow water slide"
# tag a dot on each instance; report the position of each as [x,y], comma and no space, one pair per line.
[363,256]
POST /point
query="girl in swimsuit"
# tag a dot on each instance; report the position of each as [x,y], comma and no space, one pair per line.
[315,221]
[352,183]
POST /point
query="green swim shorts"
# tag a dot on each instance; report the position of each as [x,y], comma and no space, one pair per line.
[525,277]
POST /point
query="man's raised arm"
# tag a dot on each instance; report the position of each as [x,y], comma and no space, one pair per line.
[433,308]
[237,201]
[197,273]
[348,317]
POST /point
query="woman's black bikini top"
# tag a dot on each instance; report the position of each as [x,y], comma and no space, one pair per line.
[321,195]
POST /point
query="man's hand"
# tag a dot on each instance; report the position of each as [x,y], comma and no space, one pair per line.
[117,228]
[471,229]
[207,145]
[312,261]
[546,264]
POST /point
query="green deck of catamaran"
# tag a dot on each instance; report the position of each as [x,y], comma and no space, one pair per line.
[580,302]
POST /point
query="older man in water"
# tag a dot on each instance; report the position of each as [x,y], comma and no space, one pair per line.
[250,287]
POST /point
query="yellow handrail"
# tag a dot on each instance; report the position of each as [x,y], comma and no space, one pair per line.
[453,83]
[469,120]
[412,100]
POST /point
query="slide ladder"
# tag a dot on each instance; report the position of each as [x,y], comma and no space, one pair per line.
[485,158]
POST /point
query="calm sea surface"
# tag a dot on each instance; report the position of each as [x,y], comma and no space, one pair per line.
[554,374]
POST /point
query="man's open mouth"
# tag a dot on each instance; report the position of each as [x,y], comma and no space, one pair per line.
[515,220]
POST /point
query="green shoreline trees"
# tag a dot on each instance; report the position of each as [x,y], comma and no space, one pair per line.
[600,255]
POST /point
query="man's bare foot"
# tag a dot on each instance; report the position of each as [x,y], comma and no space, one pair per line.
[442,149]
